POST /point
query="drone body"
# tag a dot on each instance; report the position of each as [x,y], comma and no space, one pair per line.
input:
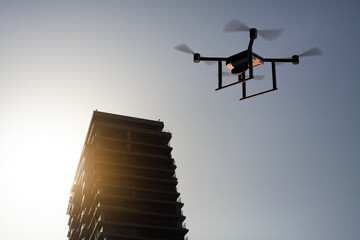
[247,60]
[239,63]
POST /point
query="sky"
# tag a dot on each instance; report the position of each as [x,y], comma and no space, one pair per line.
[284,165]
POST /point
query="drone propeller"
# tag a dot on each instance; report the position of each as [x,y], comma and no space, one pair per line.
[308,53]
[258,77]
[184,48]
[311,52]
[236,26]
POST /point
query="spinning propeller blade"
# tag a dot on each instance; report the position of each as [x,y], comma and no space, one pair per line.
[270,34]
[311,52]
[308,53]
[236,26]
[184,48]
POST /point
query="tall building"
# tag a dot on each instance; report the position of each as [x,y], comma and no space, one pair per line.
[125,183]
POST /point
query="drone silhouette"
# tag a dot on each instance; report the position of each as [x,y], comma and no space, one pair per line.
[247,60]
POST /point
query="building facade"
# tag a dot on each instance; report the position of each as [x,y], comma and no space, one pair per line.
[125,183]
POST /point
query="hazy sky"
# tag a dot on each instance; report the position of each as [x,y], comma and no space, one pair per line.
[281,166]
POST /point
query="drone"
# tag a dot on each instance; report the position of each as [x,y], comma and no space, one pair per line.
[247,60]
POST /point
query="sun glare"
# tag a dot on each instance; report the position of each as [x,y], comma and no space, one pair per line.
[39,168]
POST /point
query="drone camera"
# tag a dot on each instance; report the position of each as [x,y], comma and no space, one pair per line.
[240,69]
[196,57]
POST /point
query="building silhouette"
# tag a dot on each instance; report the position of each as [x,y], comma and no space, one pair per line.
[125,183]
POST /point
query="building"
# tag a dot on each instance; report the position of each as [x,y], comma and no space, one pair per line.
[125,183]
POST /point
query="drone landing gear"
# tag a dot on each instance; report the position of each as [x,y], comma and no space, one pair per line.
[260,93]
[241,79]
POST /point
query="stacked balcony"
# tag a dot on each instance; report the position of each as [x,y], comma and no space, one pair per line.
[125,184]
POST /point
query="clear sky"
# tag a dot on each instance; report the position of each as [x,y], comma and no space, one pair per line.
[281,166]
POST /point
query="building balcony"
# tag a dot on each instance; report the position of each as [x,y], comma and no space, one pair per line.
[144,202]
[135,210]
[142,155]
[148,161]
[129,178]
[135,170]
[120,132]
[116,190]
[144,231]
[120,120]
[133,147]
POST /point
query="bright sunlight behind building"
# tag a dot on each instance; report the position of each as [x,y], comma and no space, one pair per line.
[39,173]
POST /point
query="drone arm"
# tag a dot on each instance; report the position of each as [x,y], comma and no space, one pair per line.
[294,59]
[198,58]
[212,59]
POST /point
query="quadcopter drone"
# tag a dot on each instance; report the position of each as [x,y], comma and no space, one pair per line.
[247,60]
